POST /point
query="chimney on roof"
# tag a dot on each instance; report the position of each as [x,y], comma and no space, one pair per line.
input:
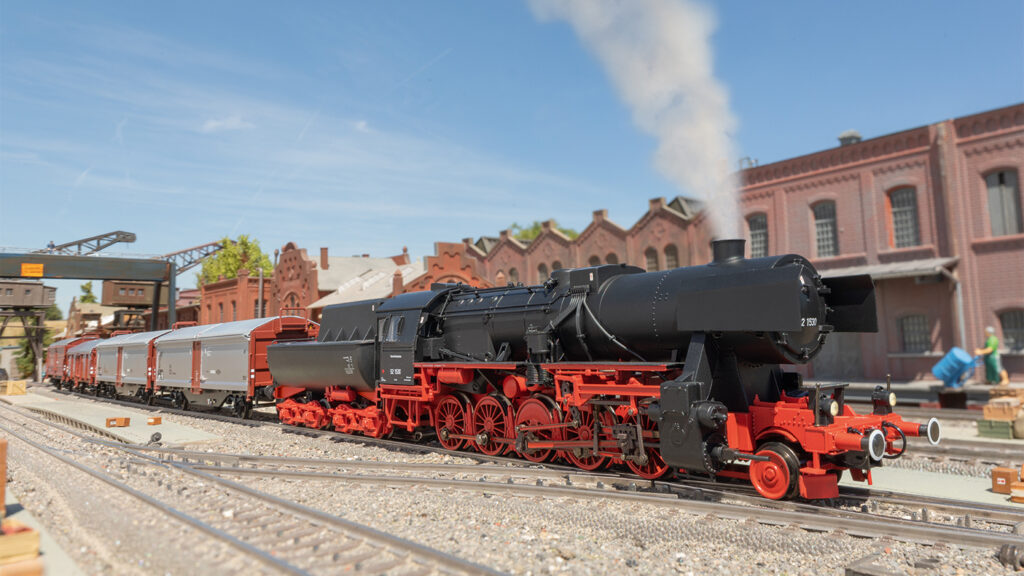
[504,234]
[600,215]
[657,203]
[396,283]
[547,225]
[849,137]
[324,264]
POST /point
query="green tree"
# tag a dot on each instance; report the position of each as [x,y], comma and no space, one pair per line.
[54,313]
[243,253]
[87,296]
[26,360]
[531,232]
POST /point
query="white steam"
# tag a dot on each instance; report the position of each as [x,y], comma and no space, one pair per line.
[658,54]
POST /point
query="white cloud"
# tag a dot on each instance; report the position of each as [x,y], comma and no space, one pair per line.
[362,126]
[225,125]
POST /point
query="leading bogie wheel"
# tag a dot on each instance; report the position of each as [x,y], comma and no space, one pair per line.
[777,478]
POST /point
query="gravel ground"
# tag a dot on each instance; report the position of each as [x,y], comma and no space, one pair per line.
[518,535]
[105,531]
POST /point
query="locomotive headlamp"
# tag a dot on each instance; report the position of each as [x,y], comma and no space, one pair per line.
[883,400]
[932,430]
[833,408]
[874,444]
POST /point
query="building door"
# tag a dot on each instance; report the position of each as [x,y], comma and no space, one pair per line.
[840,358]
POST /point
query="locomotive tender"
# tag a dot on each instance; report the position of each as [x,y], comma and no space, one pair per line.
[609,365]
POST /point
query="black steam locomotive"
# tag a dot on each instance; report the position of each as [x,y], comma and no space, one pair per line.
[679,369]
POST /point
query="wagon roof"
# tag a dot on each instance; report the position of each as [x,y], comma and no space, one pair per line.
[227,329]
[86,347]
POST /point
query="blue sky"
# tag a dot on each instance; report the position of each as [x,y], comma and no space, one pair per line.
[368,126]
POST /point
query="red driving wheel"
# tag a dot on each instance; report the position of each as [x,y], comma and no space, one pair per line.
[534,412]
[654,467]
[776,478]
[491,423]
[583,457]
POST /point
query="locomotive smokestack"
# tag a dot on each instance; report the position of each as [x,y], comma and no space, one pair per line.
[726,251]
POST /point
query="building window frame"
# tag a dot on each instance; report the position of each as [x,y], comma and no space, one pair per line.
[915,333]
[651,259]
[826,229]
[513,275]
[611,258]
[542,273]
[594,260]
[904,220]
[1002,188]
[671,257]
[1011,321]
[757,230]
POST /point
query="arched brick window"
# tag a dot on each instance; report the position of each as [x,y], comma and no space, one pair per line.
[556,265]
[757,226]
[220,306]
[595,260]
[611,258]
[513,275]
[499,278]
[671,257]
[903,226]
[826,232]
[234,311]
[1012,322]
[1004,202]
[542,272]
[651,256]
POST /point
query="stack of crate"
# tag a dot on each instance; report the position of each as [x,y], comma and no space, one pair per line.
[19,544]
[1003,415]
[1008,481]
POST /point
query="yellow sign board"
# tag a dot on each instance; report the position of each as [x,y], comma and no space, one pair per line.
[33,270]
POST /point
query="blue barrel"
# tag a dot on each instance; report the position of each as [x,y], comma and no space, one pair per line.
[952,366]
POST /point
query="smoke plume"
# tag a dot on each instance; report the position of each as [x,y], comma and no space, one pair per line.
[658,54]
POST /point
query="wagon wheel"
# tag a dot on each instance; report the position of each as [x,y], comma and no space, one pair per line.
[537,412]
[777,478]
[583,457]
[490,421]
[241,408]
[652,466]
[450,418]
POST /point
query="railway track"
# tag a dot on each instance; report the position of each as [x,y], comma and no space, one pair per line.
[930,520]
[283,536]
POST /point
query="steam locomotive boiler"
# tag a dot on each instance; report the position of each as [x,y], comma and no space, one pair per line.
[609,365]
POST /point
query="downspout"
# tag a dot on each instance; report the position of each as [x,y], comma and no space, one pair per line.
[259,299]
[959,304]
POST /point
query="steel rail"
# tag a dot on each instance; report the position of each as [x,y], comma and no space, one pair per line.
[165,508]
[805,516]
[441,558]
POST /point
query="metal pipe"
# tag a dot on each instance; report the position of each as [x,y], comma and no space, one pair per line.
[959,304]
[259,299]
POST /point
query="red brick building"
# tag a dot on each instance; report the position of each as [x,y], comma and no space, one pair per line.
[233,299]
[301,283]
[933,214]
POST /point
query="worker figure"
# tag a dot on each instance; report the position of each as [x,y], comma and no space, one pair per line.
[50,246]
[994,373]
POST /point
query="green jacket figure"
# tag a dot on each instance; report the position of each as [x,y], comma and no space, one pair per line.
[994,373]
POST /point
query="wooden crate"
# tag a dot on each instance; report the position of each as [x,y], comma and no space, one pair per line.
[3,476]
[1001,409]
[995,429]
[120,422]
[1017,492]
[17,542]
[12,387]
[1003,478]
[29,567]
[1008,391]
